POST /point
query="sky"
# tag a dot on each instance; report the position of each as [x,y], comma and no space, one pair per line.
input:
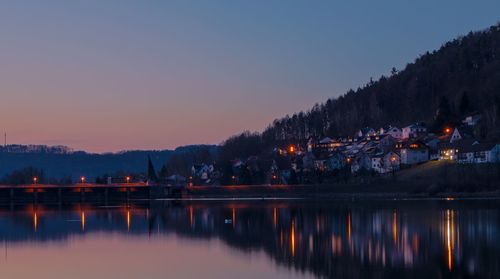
[104,75]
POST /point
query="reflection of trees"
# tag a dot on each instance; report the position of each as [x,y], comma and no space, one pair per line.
[350,240]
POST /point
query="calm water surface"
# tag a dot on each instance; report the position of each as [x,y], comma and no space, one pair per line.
[243,239]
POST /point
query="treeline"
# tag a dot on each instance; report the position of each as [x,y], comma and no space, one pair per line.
[462,77]
[439,88]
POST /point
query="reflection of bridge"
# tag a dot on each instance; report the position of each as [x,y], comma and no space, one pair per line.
[45,193]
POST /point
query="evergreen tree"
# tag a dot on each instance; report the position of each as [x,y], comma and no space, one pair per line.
[151,171]
[163,172]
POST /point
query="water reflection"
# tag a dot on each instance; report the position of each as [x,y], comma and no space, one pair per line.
[355,239]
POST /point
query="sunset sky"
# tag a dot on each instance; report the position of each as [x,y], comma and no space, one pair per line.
[112,75]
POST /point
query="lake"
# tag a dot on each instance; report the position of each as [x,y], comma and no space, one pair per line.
[253,239]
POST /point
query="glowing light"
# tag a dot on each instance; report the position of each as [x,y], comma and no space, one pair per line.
[395,227]
[35,180]
[448,239]
[349,226]
[35,221]
[128,179]
[275,217]
[293,239]
[82,179]
[234,217]
[83,221]
[191,216]
[128,220]
[292,149]
[447,130]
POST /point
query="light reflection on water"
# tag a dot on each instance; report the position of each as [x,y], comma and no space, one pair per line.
[249,239]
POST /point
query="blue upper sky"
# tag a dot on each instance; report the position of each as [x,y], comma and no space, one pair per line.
[107,75]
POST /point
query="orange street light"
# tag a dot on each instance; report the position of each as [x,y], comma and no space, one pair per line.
[35,180]
[292,149]
[393,159]
[128,179]
[447,130]
[82,179]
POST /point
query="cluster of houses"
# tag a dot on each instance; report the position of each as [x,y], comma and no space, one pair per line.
[391,148]
[383,151]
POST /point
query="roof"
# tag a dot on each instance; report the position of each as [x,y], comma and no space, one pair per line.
[416,125]
[421,144]
[478,147]
[465,131]
[326,140]
[459,144]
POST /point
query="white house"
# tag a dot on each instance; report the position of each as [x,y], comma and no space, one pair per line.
[449,150]
[394,132]
[413,130]
[472,120]
[386,163]
[461,133]
[414,153]
[479,153]
[366,132]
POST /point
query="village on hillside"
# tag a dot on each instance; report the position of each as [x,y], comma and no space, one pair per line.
[374,152]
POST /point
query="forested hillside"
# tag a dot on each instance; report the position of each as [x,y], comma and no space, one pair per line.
[462,77]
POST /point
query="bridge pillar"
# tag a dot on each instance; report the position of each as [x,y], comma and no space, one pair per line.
[128,194]
[59,194]
[12,194]
[35,195]
[82,194]
[106,196]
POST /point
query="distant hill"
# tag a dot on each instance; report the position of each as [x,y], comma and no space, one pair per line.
[61,162]
[460,78]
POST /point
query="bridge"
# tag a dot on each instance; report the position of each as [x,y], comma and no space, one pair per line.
[85,192]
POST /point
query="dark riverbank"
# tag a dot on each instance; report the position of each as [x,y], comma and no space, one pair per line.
[433,179]
[321,192]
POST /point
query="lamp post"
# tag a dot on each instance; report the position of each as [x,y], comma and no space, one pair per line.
[35,180]
[128,179]
[82,179]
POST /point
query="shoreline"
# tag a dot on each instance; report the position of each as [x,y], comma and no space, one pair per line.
[319,192]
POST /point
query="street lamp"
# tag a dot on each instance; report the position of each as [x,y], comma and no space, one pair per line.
[35,180]
[128,179]
[82,179]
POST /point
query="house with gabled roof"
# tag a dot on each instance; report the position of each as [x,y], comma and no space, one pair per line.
[414,130]
[414,152]
[476,153]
